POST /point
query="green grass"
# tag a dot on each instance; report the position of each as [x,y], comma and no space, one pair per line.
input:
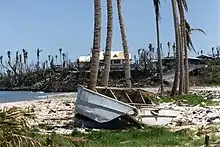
[150,136]
[190,99]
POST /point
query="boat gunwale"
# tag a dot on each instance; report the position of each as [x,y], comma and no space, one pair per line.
[102,95]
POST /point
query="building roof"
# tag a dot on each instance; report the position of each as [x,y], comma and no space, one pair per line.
[115,55]
[205,56]
[84,58]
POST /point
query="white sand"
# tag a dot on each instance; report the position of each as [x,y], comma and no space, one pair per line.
[54,110]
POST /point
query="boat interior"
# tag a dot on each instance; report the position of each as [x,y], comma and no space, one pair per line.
[134,97]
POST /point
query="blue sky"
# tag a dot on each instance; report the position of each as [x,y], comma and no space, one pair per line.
[51,24]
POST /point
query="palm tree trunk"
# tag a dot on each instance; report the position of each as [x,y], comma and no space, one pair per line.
[160,66]
[186,63]
[125,45]
[182,36]
[107,56]
[96,46]
[177,56]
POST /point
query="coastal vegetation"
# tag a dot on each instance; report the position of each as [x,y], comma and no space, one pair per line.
[14,130]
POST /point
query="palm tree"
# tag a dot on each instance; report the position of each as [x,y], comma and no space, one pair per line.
[20,63]
[60,51]
[217,50]
[1,64]
[143,59]
[174,50]
[1,58]
[183,86]
[52,63]
[49,58]
[17,58]
[177,47]
[46,63]
[38,57]
[168,45]
[213,54]
[107,55]
[125,45]
[151,51]
[189,45]
[9,57]
[96,46]
[25,57]
[64,55]
[56,58]
[160,68]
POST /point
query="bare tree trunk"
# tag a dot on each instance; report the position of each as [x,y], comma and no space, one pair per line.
[186,78]
[160,66]
[125,45]
[182,42]
[107,56]
[177,56]
[96,46]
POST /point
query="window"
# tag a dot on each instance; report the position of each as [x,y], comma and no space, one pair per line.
[116,61]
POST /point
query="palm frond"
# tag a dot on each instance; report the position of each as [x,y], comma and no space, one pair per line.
[188,37]
[187,25]
[14,128]
[199,30]
[12,140]
[157,8]
[189,43]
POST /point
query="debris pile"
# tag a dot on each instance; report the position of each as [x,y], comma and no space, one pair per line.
[199,114]
[196,116]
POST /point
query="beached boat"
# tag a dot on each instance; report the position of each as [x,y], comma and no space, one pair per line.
[107,104]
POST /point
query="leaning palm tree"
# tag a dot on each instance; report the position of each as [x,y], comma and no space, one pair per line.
[125,45]
[107,55]
[189,46]
[189,31]
[177,47]
[160,68]
[96,46]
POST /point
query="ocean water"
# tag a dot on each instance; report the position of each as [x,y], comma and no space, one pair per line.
[13,96]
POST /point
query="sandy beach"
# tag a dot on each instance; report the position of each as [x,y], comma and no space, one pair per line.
[54,111]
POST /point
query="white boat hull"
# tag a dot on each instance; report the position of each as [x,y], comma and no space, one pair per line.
[102,108]
[99,107]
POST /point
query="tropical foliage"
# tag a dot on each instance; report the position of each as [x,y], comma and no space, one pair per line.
[14,129]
